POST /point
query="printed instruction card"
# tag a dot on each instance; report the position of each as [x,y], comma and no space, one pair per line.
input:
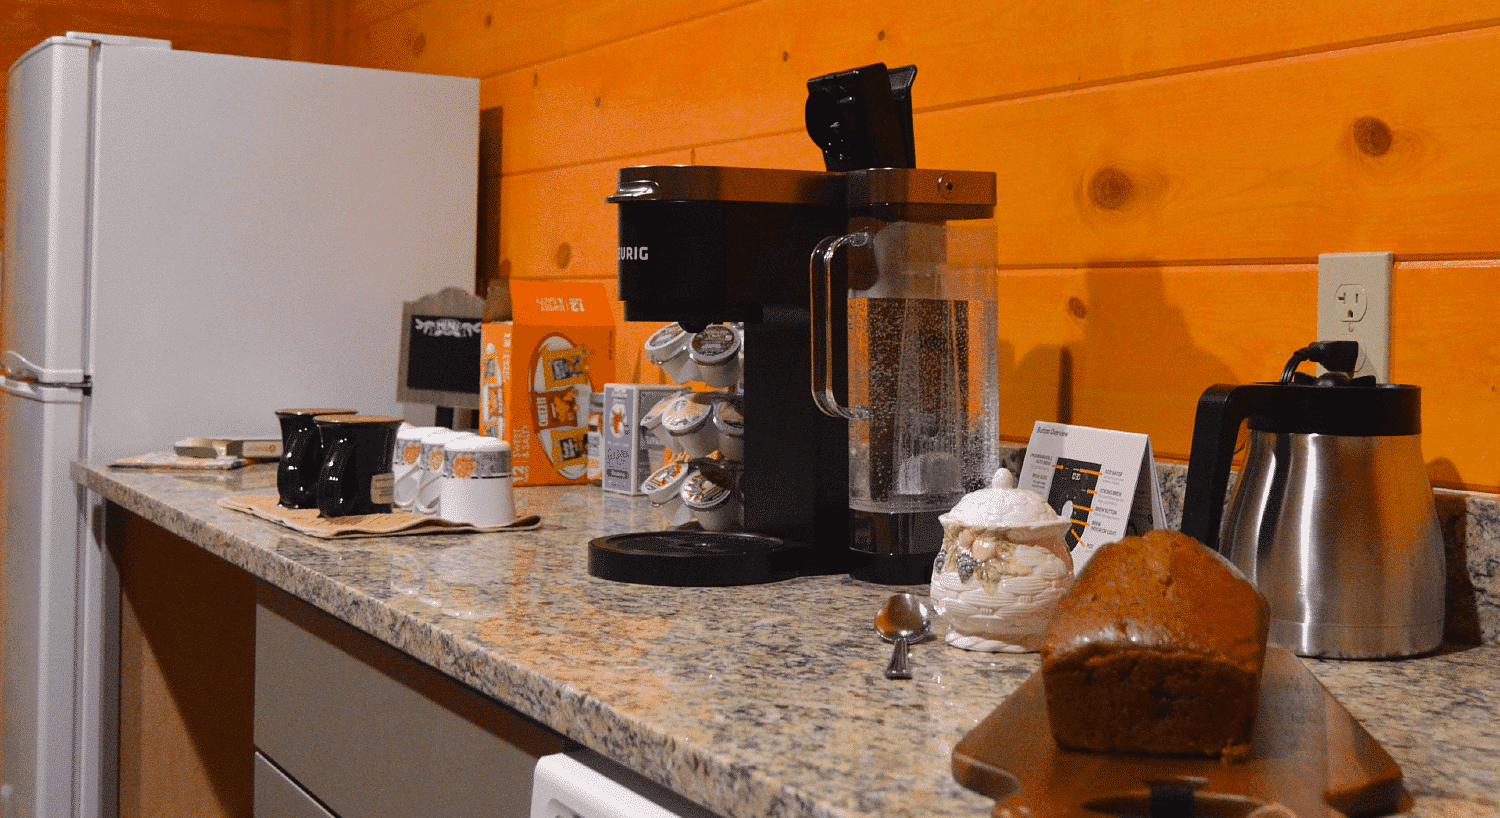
[1108,478]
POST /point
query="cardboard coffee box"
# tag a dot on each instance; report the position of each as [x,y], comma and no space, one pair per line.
[537,371]
[631,454]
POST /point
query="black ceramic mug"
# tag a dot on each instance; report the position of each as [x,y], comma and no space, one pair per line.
[356,476]
[301,456]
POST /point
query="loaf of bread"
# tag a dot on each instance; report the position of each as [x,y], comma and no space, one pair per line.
[1157,648]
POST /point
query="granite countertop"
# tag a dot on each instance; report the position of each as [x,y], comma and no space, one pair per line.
[754,701]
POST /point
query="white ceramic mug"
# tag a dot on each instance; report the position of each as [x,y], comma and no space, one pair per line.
[476,483]
[406,464]
[430,469]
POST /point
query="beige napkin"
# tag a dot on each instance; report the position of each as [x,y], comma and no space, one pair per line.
[307,521]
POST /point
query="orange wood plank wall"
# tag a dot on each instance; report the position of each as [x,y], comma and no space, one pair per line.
[1168,171]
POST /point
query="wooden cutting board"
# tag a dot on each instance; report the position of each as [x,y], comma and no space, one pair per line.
[1308,755]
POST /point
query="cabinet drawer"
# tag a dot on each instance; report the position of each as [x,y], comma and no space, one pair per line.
[372,733]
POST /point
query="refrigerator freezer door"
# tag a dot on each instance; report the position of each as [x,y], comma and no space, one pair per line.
[40,438]
[257,226]
[46,151]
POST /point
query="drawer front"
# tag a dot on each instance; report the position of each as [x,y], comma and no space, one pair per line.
[277,796]
[372,733]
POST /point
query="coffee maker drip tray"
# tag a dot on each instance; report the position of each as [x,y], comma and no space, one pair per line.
[694,558]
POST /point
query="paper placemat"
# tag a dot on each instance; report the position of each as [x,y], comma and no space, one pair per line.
[307,521]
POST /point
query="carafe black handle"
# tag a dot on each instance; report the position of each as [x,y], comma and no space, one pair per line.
[1221,410]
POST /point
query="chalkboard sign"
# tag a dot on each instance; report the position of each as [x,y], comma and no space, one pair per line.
[440,350]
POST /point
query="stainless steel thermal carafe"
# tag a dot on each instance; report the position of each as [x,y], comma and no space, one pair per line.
[1332,517]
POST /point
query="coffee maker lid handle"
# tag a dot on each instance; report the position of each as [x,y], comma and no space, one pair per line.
[1221,410]
[636,190]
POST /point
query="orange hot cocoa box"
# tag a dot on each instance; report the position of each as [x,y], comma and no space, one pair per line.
[537,372]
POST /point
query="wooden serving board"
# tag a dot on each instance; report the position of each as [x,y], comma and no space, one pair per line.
[1308,755]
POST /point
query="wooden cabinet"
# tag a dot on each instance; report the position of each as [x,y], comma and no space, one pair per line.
[186,665]
[212,659]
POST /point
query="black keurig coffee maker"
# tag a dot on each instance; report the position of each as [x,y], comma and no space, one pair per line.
[778,250]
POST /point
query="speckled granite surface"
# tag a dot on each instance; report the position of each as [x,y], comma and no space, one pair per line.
[756,701]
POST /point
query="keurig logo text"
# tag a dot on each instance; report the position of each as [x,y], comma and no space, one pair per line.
[633,253]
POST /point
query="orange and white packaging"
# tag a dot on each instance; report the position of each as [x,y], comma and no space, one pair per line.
[537,372]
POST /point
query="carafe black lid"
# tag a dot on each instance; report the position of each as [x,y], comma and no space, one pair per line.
[1373,410]
[1334,403]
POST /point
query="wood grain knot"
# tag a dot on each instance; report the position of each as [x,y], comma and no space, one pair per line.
[1372,136]
[1111,189]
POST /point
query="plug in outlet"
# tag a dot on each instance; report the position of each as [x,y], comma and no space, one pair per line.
[1354,304]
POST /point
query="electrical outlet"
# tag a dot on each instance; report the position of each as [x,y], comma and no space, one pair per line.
[1351,301]
[1354,304]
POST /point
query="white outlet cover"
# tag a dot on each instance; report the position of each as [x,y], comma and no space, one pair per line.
[1342,276]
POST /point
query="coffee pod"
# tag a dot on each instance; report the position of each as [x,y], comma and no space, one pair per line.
[664,489]
[407,465]
[476,483]
[729,422]
[356,474]
[715,351]
[687,421]
[301,456]
[708,493]
[431,460]
[651,423]
[668,349]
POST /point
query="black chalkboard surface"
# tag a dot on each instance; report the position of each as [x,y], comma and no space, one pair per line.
[440,350]
[443,354]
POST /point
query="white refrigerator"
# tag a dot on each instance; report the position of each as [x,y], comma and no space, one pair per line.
[192,241]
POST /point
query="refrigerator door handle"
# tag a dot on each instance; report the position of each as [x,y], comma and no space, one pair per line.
[43,393]
[15,366]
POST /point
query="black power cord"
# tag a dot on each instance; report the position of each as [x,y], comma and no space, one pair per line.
[1338,357]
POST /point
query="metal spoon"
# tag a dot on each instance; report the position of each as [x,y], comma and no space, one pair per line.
[904,619]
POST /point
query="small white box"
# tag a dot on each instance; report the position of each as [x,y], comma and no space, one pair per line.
[630,453]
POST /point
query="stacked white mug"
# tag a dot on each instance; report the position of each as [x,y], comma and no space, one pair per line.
[475,486]
[424,497]
[406,465]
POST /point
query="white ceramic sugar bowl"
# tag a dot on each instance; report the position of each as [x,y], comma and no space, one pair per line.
[1002,568]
